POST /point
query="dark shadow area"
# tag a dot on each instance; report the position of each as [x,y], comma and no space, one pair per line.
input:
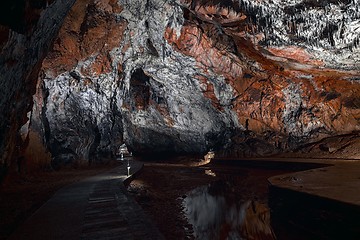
[312,217]
[139,90]
[21,15]
[12,14]
[297,215]
[271,165]
[3,172]
[166,157]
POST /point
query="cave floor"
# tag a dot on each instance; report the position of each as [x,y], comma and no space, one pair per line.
[98,207]
[308,198]
[340,181]
[321,199]
[21,195]
[336,179]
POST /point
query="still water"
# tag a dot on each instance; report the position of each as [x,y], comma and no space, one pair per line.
[235,204]
[215,212]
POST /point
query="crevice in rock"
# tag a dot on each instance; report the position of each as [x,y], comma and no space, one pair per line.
[93,147]
[44,119]
[151,48]
[139,90]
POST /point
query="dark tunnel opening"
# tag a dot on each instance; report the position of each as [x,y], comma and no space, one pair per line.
[139,90]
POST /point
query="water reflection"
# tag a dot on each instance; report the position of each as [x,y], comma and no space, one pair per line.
[215,213]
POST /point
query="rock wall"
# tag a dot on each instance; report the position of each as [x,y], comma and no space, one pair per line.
[252,78]
[27,31]
[286,92]
[111,75]
[176,115]
[76,103]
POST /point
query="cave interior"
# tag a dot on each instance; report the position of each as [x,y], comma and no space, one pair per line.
[202,86]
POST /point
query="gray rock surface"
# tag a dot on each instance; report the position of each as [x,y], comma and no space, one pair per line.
[185,76]
[83,122]
[328,29]
[154,97]
[156,104]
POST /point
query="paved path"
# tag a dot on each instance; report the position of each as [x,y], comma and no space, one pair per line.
[98,207]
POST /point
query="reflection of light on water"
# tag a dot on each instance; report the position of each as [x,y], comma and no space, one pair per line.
[214,217]
[204,212]
[128,167]
[210,173]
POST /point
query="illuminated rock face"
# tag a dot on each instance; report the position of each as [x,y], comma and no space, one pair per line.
[289,85]
[112,74]
[248,77]
[76,100]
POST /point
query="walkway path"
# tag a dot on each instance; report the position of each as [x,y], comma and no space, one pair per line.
[98,207]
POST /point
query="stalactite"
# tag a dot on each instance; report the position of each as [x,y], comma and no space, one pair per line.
[306,22]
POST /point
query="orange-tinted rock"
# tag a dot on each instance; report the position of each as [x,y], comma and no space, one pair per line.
[194,43]
[295,53]
[324,103]
[209,92]
[23,49]
[184,77]
[81,53]
[85,33]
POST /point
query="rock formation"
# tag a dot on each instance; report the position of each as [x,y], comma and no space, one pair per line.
[76,100]
[252,78]
[26,32]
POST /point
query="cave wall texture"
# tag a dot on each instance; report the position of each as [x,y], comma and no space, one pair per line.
[248,78]
[26,32]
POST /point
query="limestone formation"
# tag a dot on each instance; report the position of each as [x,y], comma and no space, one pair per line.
[27,30]
[249,78]
[184,77]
